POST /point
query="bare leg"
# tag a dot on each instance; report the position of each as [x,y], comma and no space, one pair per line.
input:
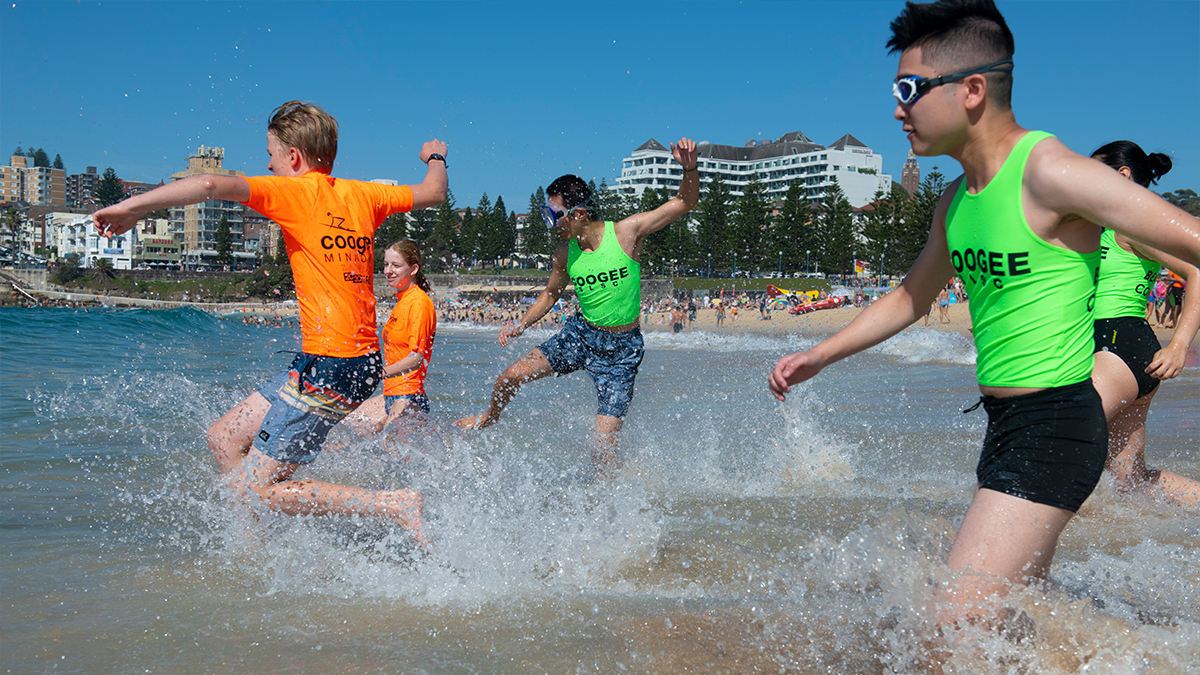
[533,366]
[369,418]
[1114,382]
[230,437]
[604,447]
[1003,541]
[1173,312]
[1127,435]
[1127,458]
[269,479]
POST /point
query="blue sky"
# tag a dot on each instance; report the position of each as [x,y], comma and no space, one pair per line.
[525,92]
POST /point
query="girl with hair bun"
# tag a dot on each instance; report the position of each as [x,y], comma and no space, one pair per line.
[407,341]
[1129,361]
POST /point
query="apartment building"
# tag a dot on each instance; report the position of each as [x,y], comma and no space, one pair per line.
[12,181]
[21,183]
[775,163]
[130,188]
[81,187]
[76,233]
[153,244]
[195,226]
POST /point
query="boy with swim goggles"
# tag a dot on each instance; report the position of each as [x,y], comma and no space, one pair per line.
[908,89]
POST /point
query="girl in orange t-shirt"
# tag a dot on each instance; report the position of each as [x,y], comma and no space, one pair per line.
[407,340]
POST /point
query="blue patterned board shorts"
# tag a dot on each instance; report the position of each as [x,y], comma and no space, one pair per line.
[612,359]
[309,399]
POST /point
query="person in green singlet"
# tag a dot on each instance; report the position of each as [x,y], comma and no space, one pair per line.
[601,259]
[1129,361]
[1021,227]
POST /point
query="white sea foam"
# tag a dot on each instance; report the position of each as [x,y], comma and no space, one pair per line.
[806,536]
[916,345]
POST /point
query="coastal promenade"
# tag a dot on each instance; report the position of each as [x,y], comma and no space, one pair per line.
[278,308]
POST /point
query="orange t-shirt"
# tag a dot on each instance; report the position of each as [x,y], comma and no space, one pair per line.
[410,328]
[329,229]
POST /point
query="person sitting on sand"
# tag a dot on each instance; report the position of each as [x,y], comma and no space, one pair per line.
[328,227]
[602,259]
[1030,231]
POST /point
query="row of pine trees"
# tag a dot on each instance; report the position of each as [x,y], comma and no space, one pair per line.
[722,233]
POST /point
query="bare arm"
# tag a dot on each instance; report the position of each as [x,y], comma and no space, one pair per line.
[550,295]
[1168,361]
[1063,183]
[405,365]
[637,226]
[432,190]
[880,320]
[119,218]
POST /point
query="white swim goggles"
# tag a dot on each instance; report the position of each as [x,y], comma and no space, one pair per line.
[908,89]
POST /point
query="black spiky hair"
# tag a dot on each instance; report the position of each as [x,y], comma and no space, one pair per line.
[973,24]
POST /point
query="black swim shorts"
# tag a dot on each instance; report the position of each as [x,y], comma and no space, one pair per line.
[1132,339]
[1047,447]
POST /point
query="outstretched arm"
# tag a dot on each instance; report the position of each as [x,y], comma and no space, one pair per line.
[550,295]
[880,320]
[432,190]
[642,224]
[119,218]
[1064,183]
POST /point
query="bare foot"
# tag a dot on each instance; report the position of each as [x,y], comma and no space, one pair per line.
[404,507]
[480,421]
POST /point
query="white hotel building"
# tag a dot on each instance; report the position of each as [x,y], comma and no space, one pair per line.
[776,164]
[75,233]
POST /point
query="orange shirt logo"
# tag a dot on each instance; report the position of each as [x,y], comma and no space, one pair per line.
[329,227]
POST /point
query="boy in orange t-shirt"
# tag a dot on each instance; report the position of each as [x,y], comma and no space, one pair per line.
[328,227]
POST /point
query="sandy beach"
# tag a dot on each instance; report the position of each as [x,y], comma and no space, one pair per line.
[825,322]
[821,322]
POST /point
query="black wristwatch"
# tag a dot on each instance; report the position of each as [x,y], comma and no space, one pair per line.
[437,156]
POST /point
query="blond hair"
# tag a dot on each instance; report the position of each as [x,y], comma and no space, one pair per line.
[307,128]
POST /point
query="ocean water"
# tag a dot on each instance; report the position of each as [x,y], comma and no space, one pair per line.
[744,535]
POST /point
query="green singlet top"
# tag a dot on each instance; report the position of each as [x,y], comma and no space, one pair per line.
[607,281]
[1125,280]
[1031,302]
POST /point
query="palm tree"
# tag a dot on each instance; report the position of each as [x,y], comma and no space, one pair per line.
[12,222]
[103,266]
